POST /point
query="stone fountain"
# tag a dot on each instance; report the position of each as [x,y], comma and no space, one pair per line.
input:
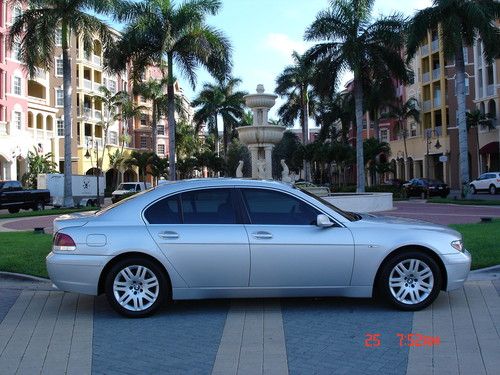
[261,137]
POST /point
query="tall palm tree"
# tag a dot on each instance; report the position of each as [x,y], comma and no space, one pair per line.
[403,111]
[154,90]
[221,99]
[459,23]
[296,83]
[128,111]
[35,30]
[141,160]
[349,39]
[165,30]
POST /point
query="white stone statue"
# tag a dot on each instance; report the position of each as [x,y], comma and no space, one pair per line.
[285,173]
[261,169]
[239,170]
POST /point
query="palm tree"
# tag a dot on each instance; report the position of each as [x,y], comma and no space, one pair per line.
[153,90]
[141,160]
[403,112]
[334,109]
[128,111]
[35,30]
[460,23]
[350,40]
[164,30]
[220,99]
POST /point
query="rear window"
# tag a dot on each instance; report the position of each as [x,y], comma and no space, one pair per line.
[165,211]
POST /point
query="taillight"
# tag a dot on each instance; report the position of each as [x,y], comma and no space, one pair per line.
[63,242]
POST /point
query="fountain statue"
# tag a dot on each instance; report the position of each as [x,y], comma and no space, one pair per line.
[239,170]
[261,136]
[285,173]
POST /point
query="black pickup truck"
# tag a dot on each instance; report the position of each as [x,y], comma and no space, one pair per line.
[13,197]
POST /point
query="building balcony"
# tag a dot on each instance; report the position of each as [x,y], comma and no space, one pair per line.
[490,90]
[426,77]
[87,84]
[435,45]
[90,142]
[4,128]
[437,101]
[424,50]
[36,99]
[427,105]
[96,60]
[436,73]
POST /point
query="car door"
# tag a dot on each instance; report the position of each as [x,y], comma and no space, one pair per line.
[482,182]
[201,235]
[287,249]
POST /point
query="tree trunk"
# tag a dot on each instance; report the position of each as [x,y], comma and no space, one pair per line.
[216,134]
[462,123]
[68,190]
[171,119]
[224,139]
[376,127]
[360,163]
[305,130]
[154,127]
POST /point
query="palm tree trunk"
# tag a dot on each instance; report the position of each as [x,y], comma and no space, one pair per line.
[360,163]
[462,125]
[224,139]
[171,119]
[376,127]
[305,130]
[154,127]
[216,134]
[68,190]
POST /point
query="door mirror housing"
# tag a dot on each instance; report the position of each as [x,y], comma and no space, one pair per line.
[323,221]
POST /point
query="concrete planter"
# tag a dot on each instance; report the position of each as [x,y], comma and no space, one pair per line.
[260,134]
[364,202]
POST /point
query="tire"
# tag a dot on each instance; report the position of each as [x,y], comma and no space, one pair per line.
[423,195]
[473,190]
[493,189]
[408,296]
[118,287]
[13,210]
[39,206]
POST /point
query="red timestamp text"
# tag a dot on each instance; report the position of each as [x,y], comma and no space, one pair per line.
[373,340]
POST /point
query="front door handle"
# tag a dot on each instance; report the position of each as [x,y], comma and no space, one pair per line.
[261,235]
[168,235]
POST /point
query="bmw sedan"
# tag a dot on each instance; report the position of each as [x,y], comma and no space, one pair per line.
[231,238]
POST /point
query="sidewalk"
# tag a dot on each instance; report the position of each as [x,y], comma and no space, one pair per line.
[46,331]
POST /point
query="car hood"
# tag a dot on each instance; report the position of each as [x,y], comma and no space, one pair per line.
[76,219]
[404,223]
[121,192]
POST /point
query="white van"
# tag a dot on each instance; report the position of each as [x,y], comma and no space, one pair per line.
[128,188]
[84,188]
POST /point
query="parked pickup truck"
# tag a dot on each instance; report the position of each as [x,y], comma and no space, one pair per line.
[13,197]
[126,189]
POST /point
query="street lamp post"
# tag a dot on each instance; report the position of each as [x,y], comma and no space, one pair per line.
[428,140]
[89,155]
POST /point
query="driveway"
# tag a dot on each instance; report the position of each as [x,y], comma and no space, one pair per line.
[50,332]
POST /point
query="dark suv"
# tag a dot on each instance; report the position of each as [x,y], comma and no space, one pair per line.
[13,197]
[424,188]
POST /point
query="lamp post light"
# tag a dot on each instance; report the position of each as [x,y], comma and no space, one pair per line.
[429,133]
[89,155]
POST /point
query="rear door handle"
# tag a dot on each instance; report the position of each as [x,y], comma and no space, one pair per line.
[261,235]
[168,235]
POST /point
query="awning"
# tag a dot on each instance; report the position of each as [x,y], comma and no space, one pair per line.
[490,148]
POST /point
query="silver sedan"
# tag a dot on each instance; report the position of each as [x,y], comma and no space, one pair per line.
[230,238]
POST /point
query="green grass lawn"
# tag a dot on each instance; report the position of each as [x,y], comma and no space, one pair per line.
[464,202]
[55,211]
[25,252]
[482,241]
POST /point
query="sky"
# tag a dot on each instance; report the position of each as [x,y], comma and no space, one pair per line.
[264,33]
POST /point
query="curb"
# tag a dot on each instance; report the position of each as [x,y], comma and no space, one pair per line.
[23,277]
[486,270]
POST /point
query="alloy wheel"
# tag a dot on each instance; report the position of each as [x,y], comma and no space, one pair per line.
[136,288]
[411,281]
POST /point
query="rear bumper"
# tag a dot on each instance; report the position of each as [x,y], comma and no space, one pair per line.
[457,268]
[76,273]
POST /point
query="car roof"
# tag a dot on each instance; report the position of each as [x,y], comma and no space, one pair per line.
[206,182]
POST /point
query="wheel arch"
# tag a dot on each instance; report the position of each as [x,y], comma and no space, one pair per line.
[129,254]
[406,248]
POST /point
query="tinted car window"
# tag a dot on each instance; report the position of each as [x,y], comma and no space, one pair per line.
[271,207]
[209,206]
[165,211]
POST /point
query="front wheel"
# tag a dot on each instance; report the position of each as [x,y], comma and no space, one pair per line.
[493,189]
[13,210]
[39,206]
[410,281]
[136,287]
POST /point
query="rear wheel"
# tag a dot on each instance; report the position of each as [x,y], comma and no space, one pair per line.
[410,281]
[39,206]
[13,210]
[136,287]
[493,189]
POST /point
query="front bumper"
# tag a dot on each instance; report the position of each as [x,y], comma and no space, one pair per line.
[457,268]
[76,273]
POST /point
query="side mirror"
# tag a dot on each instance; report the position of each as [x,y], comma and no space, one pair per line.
[323,221]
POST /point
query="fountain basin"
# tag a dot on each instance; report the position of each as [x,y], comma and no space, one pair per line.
[361,202]
[260,134]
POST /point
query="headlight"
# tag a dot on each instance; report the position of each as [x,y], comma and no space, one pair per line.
[458,245]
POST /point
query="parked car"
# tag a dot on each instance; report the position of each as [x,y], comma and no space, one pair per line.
[232,238]
[396,182]
[126,189]
[486,182]
[84,188]
[425,188]
[14,198]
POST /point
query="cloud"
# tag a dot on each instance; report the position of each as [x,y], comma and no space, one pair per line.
[283,44]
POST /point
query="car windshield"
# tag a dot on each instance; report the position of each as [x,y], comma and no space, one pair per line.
[126,187]
[351,216]
[133,196]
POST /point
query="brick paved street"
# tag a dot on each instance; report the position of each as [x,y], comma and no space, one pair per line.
[52,332]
